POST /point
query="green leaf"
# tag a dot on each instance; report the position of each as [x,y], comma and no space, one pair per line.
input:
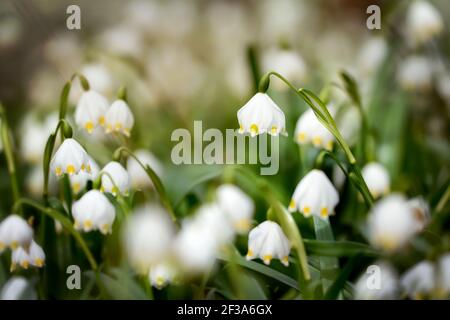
[339,283]
[338,248]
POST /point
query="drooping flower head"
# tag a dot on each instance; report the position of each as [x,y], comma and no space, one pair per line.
[34,257]
[115,179]
[419,281]
[161,275]
[70,158]
[119,118]
[15,232]
[90,111]
[377,179]
[79,181]
[314,195]
[423,22]
[309,130]
[138,176]
[261,115]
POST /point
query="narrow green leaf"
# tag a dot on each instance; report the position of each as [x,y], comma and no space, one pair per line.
[339,283]
[338,248]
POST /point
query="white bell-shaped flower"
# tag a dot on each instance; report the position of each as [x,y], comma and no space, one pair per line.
[237,206]
[286,62]
[420,211]
[314,195]
[268,241]
[423,22]
[139,178]
[415,73]
[377,179]
[261,115]
[309,130]
[379,282]
[90,111]
[70,158]
[443,283]
[119,118]
[17,288]
[148,236]
[34,257]
[161,275]
[79,181]
[391,223]
[15,232]
[115,179]
[371,55]
[93,211]
[419,281]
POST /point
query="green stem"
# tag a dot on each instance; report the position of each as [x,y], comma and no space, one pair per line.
[65,222]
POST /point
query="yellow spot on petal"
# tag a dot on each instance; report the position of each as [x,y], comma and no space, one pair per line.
[118,126]
[292,205]
[306,211]
[76,187]
[104,228]
[329,145]
[285,261]
[102,189]
[101,120]
[114,190]
[241,128]
[14,245]
[39,262]
[70,169]
[87,224]
[25,264]
[267,258]
[160,281]
[126,132]
[301,137]
[249,253]
[254,129]
[324,212]
[242,225]
[89,126]
[274,130]
[2,246]
[317,141]
[58,171]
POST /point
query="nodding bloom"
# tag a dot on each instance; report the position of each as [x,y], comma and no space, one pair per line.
[314,195]
[420,212]
[391,223]
[384,287]
[79,181]
[309,130]
[34,257]
[90,111]
[377,179]
[267,241]
[115,179]
[372,55]
[148,236]
[161,275]
[15,232]
[70,158]
[119,118]
[415,73]
[93,211]
[423,22]
[237,206]
[286,62]
[138,176]
[443,283]
[261,115]
[17,288]
[419,281]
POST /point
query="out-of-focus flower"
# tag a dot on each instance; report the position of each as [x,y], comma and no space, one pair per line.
[378,284]
[371,55]
[377,179]
[419,281]
[420,211]
[443,86]
[90,111]
[391,223]
[17,288]
[161,275]
[119,118]
[286,62]
[309,129]
[338,177]
[260,115]
[267,241]
[93,211]
[148,237]
[443,276]
[237,206]
[115,179]
[423,22]
[79,181]
[349,124]
[35,257]
[35,181]
[122,40]
[15,232]
[314,195]
[138,176]
[70,158]
[415,73]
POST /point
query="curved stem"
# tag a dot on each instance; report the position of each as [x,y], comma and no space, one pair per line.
[65,222]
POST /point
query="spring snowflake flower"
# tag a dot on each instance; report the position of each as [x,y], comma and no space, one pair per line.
[419,281]
[369,287]
[161,275]
[93,211]
[15,232]
[34,257]
[260,115]
[90,111]
[420,211]
[391,223]
[120,183]
[138,176]
[314,195]
[377,179]
[372,55]
[148,237]
[415,73]
[79,181]
[423,22]
[309,130]
[443,283]
[119,118]
[70,158]
[267,241]
[237,206]
[286,62]
[17,288]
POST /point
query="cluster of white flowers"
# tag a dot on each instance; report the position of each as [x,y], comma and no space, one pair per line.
[16,234]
